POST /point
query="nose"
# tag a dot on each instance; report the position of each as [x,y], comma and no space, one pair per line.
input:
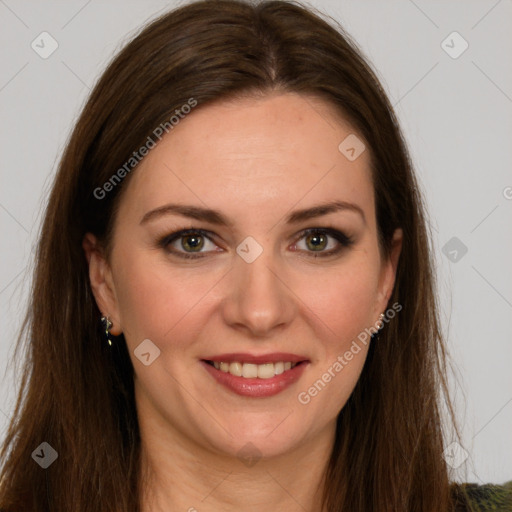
[258,299]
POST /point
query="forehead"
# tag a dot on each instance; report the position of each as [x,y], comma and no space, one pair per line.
[263,154]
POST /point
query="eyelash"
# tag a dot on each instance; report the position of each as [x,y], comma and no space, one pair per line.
[342,239]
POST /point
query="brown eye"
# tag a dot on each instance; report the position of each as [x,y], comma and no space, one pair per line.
[316,241]
[322,242]
[188,243]
[192,243]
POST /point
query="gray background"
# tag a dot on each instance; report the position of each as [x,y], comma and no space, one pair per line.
[456,115]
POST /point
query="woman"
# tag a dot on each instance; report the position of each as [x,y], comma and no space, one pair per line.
[233,304]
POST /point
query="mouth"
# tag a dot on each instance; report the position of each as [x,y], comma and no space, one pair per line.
[253,371]
[256,376]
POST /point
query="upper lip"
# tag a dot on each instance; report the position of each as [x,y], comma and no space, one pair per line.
[275,357]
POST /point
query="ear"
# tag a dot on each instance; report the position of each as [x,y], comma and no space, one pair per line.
[388,272]
[102,283]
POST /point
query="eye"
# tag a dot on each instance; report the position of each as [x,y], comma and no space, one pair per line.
[188,243]
[323,241]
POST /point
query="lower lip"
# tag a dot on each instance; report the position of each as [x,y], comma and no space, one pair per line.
[257,388]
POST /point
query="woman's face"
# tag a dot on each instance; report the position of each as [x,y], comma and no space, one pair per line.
[256,287]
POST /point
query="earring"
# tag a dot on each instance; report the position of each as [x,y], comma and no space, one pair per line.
[375,336]
[107,324]
[381,319]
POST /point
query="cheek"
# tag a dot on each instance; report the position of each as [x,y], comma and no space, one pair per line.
[155,300]
[342,299]
[340,307]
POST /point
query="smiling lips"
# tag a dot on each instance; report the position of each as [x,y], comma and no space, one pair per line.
[256,376]
[252,371]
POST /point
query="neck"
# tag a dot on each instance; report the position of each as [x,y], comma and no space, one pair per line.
[177,474]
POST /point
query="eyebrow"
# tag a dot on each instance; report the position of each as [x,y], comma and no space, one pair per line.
[216,217]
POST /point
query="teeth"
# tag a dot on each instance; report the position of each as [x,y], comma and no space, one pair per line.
[251,371]
[235,369]
[265,371]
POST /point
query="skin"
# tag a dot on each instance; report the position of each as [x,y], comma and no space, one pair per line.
[256,161]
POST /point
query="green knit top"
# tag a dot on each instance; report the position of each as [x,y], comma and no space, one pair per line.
[482,498]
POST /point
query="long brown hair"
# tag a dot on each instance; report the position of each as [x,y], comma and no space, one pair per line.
[77,394]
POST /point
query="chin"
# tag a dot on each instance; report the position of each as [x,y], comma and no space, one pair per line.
[253,440]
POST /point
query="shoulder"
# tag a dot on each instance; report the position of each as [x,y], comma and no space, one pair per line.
[470,497]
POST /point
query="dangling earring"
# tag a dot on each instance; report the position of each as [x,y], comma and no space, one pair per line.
[375,336]
[107,324]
